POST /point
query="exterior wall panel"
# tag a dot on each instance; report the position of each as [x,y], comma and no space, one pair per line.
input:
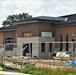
[1,37]
[65,30]
[36,28]
[10,34]
[28,27]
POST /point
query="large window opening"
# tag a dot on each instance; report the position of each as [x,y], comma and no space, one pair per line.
[42,47]
[67,44]
[50,47]
[73,42]
[26,48]
[9,43]
[61,44]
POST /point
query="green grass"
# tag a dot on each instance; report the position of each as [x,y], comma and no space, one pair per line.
[39,71]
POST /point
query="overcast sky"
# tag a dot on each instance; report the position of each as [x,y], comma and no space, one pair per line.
[36,7]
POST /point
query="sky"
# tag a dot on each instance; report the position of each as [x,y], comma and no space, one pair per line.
[35,8]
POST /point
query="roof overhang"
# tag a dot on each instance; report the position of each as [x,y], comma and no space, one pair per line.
[9,30]
[17,23]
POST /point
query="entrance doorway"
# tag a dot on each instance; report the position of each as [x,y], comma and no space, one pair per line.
[27,48]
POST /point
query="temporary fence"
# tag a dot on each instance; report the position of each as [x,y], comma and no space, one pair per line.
[42,54]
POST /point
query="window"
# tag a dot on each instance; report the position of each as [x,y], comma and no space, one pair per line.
[50,45]
[73,40]
[61,36]
[27,34]
[67,36]
[61,44]
[67,44]
[9,40]
[42,47]
[8,43]
[9,47]
[73,36]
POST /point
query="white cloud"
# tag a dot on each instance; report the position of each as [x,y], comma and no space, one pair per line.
[63,8]
[36,7]
[9,5]
[32,7]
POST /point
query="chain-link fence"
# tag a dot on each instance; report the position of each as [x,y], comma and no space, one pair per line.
[43,55]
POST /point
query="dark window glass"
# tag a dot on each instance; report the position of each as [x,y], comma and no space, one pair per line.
[67,44]
[67,36]
[61,44]
[50,45]
[61,36]
[42,47]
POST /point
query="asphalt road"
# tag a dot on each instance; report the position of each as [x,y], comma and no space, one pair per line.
[11,73]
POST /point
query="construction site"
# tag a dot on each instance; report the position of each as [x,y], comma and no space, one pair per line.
[55,58]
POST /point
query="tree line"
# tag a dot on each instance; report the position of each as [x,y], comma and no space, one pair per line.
[15,17]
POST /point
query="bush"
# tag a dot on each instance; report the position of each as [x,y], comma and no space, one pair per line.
[70,74]
[28,69]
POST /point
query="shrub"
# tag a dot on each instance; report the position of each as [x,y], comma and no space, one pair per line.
[70,74]
[28,69]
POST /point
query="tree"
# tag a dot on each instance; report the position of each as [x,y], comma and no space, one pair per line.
[15,17]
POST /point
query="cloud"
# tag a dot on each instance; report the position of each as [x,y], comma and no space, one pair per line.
[9,5]
[37,7]
[32,7]
[62,8]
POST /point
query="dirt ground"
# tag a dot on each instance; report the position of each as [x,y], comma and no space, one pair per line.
[40,63]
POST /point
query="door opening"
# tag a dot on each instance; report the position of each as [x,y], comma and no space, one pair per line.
[27,49]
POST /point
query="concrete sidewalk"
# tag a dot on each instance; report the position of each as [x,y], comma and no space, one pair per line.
[12,73]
